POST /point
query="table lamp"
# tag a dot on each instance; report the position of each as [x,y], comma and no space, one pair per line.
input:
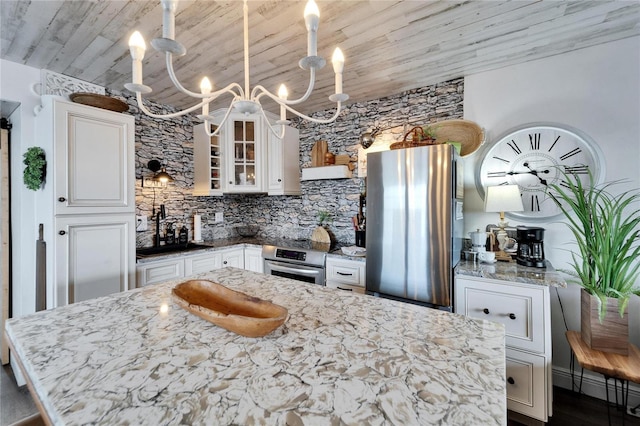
[502,198]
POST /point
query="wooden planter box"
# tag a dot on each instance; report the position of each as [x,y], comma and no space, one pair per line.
[610,336]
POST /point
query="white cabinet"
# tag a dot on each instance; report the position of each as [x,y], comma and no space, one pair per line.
[283,163]
[245,157]
[524,309]
[346,274]
[159,271]
[92,256]
[253,259]
[233,257]
[164,269]
[87,204]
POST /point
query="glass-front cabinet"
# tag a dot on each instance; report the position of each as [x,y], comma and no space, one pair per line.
[245,157]
[246,142]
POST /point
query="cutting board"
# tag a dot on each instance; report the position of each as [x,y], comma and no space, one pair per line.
[317,153]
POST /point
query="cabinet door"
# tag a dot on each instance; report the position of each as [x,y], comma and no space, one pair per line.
[94,160]
[275,178]
[202,263]
[160,271]
[94,256]
[253,259]
[346,271]
[233,257]
[283,173]
[526,384]
[244,143]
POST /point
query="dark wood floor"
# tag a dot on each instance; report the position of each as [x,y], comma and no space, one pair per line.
[573,409]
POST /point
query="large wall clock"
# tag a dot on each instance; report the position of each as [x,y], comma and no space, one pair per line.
[534,156]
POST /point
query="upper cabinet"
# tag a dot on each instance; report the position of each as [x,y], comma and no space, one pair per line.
[245,157]
[92,157]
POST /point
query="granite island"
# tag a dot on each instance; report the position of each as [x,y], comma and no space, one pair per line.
[138,358]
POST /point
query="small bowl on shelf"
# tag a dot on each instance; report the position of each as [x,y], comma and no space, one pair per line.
[247,230]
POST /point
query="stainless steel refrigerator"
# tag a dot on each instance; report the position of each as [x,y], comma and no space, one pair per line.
[414,224]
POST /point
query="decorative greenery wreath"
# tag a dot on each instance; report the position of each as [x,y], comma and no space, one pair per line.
[35,171]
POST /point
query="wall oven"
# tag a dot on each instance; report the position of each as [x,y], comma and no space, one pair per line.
[295,263]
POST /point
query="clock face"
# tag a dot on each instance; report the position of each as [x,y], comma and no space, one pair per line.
[534,157]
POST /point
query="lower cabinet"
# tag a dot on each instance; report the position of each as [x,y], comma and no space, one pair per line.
[93,257]
[525,311]
[178,267]
[346,274]
[253,259]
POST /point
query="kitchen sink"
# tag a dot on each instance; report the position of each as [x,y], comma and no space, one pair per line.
[173,248]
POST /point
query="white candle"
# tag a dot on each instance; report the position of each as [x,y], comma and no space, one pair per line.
[137,47]
[197,227]
[205,88]
[169,8]
[283,94]
[338,66]
[311,19]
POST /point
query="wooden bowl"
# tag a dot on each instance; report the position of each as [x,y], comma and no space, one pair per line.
[232,310]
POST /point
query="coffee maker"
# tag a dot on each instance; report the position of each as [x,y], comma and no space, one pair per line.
[530,246]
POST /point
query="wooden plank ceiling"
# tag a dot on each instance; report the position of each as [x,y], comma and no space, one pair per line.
[390,46]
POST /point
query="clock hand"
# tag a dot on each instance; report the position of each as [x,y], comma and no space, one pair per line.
[535,173]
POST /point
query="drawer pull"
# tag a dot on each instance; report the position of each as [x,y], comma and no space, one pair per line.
[62,199]
[61,232]
[510,380]
[345,289]
[512,316]
[343,273]
[486,311]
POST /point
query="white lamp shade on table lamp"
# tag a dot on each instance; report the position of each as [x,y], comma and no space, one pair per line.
[503,198]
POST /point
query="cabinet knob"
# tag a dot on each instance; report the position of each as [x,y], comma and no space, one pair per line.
[62,232]
[224,263]
[230,182]
[486,311]
[62,199]
[512,316]
[279,180]
[510,380]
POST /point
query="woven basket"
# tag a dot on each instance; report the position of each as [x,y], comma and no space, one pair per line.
[418,138]
[469,134]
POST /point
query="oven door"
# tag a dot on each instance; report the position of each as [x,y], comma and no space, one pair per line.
[301,272]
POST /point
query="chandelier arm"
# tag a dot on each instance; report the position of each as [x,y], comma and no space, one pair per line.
[315,120]
[312,83]
[224,120]
[179,86]
[172,115]
[266,120]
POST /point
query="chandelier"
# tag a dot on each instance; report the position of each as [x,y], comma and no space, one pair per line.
[244,100]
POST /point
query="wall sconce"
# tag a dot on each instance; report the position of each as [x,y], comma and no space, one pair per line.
[160,177]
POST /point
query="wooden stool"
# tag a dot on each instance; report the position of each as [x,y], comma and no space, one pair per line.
[611,365]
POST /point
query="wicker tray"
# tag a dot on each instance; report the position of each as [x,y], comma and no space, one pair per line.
[99,101]
[469,134]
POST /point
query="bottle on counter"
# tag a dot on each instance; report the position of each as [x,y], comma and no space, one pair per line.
[183,235]
[170,234]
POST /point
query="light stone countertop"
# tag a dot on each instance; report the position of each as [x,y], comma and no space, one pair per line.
[511,271]
[340,358]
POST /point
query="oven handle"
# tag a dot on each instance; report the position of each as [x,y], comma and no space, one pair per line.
[285,267]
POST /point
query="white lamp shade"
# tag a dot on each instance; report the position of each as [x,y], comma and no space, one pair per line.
[503,198]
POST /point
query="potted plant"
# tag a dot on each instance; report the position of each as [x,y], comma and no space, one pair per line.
[320,234]
[36,168]
[607,233]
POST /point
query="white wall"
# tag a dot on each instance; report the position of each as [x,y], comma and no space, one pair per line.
[15,83]
[596,90]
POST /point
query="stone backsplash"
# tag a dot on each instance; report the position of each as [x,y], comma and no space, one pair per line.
[171,142]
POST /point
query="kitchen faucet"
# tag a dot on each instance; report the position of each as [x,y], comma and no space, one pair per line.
[162,214]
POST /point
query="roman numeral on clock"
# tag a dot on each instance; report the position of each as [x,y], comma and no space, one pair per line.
[570,153]
[535,203]
[496,174]
[576,170]
[554,144]
[501,159]
[514,146]
[534,141]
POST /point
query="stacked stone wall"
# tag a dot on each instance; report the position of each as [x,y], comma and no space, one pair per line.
[171,142]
